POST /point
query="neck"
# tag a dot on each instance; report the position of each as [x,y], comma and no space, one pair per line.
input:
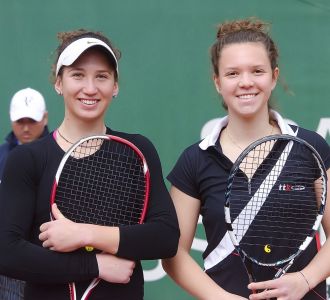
[73,133]
[240,135]
[248,130]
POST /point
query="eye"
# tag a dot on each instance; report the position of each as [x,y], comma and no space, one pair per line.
[259,71]
[77,75]
[103,76]
[26,121]
[231,74]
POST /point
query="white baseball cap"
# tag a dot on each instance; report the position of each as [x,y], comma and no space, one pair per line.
[27,103]
[76,48]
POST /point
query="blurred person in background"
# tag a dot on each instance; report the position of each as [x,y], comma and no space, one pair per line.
[29,119]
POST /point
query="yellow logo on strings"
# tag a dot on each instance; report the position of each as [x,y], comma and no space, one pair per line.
[267,249]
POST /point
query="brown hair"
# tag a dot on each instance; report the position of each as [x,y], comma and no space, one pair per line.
[67,37]
[243,31]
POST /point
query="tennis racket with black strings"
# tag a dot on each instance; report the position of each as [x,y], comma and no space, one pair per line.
[102,180]
[275,200]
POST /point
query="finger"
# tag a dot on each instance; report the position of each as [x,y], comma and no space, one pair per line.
[46,244]
[266,294]
[42,236]
[262,285]
[43,227]
[56,212]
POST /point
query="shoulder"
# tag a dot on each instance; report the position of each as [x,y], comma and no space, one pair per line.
[186,172]
[4,148]
[317,142]
[192,153]
[4,152]
[139,140]
[35,150]
[189,162]
[194,149]
[30,160]
[144,145]
[311,137]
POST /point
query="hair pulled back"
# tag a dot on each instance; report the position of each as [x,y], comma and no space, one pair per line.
[243,31]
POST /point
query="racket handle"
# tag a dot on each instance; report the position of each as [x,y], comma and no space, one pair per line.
[92,285]
[282,271]
[72,288]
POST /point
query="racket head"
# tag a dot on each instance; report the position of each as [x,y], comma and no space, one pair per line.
[275,199]
[103,180]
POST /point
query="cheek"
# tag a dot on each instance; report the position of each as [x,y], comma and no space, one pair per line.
[37,130]
[269,85]
[227,88]
[18,127]
[274,82]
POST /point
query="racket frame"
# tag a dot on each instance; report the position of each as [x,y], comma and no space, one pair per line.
[246,258]
[67,155]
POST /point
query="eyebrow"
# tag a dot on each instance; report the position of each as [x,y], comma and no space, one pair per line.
[72,68]
[238,67]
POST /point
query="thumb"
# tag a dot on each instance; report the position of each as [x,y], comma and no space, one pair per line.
[56,212]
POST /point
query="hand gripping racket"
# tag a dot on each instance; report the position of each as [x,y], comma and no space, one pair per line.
[102,180]
[275,199]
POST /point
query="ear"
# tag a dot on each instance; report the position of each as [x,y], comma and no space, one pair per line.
[115,90]
[58,86]
[217,83]
[276,73]
[45,118]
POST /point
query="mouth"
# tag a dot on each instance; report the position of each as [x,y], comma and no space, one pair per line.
[247,96]
[88,101]
[26,138]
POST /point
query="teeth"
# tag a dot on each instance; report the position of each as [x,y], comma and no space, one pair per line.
[88,102]
[247,96]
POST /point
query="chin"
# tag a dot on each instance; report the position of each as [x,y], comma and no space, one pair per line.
[26,141]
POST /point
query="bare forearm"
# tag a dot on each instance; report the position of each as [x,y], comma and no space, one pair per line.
[318,269]
[189,275]
[102,237]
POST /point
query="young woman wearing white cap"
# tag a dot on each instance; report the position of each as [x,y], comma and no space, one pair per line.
[86,75]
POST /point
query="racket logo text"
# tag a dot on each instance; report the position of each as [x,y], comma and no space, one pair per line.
[289,187]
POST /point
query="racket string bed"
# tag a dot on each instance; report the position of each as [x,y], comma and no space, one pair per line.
[105,186]
[275,200]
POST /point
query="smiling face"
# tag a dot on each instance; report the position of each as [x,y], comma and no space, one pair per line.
[245,79]
[88,86]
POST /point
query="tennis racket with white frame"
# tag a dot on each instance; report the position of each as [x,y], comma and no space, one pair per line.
[275,199]
[102,180]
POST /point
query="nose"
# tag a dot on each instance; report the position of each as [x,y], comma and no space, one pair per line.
[90,87]
[245,81]
[26,128]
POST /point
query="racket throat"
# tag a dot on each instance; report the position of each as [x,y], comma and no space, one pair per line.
[248,266]
[282,271]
